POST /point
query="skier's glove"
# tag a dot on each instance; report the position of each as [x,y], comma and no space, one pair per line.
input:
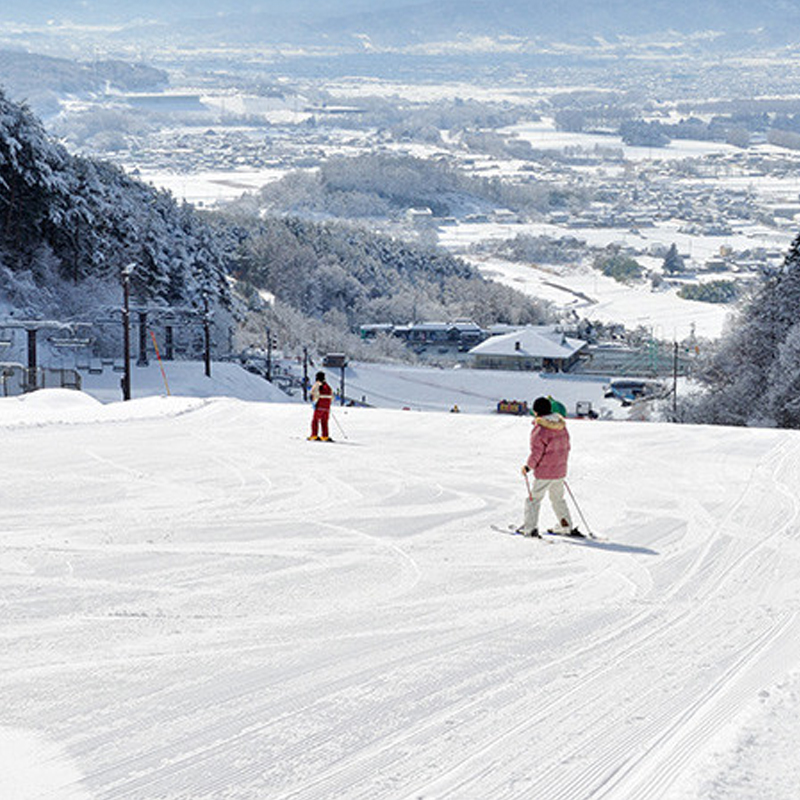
[525,469]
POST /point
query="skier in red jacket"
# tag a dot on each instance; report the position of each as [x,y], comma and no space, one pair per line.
[550,446]
[322,397]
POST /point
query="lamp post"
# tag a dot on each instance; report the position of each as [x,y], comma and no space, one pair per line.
[126,330]
[206,335]
[31,382]
[142,360]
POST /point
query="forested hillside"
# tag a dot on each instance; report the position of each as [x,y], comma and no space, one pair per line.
[43,81]
[66,221]
[387,185]
[26,72]
[753,376]
[332,268]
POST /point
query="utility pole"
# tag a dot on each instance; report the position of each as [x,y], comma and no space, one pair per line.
[269,355]
[126,330]
[305,374]
[675,383]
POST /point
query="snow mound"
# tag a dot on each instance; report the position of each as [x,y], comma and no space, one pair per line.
[30,766]
[57,401]
[187,379]
[67,406]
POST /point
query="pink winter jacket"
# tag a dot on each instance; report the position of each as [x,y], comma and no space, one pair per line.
[549,447]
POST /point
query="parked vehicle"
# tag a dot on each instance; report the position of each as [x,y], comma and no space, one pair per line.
[630,389]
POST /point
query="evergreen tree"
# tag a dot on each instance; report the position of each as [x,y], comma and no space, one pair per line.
[673,262]
[752,378]
[71,220]
[35,188]
[783,397]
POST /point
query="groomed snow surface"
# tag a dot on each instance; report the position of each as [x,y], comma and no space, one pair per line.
[199,603]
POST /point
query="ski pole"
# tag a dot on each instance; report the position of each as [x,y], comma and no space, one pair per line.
[528,485]
[338,425]
[575,503]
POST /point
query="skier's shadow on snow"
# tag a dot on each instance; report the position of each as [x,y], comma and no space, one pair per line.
[613,547]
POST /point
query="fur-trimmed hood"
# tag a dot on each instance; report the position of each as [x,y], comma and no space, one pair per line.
[553,422]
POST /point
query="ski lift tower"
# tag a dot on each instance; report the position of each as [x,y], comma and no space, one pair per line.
[169,317]
[4,368]
[32,328]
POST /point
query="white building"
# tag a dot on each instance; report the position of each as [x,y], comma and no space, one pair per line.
[419,216]
[540,348]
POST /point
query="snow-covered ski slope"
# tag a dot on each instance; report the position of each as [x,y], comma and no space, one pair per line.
[198,603]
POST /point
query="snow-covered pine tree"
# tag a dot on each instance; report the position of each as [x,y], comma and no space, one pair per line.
[67,221]
[753,374]
[35,186]
[673,262]
[783,397]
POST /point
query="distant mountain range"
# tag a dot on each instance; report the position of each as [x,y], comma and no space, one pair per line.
[28,75]
[407,21]
[104,12]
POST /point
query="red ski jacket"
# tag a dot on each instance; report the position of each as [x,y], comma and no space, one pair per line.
[322,395]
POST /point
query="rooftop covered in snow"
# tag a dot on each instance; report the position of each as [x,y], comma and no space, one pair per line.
[535,347]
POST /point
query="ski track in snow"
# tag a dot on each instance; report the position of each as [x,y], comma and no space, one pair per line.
[206,605]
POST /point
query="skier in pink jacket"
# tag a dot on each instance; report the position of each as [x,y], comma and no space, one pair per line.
[548,461]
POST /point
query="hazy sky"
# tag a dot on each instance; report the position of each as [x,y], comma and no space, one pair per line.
[435,19]
[104,10]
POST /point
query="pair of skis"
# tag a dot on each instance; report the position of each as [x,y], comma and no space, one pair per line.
[513,530]
[575,536]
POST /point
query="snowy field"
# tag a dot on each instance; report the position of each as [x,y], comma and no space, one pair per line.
[208,187]
[473,391]
[198,603]
[597,297]
[698,248]
[380,385]
[543,135]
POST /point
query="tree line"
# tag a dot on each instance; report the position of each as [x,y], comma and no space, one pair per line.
[333,268]
[386,185]
[752,375]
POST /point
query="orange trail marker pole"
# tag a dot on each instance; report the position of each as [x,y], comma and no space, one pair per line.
[160,362]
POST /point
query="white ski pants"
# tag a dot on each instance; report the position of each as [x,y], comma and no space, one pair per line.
[555,488]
